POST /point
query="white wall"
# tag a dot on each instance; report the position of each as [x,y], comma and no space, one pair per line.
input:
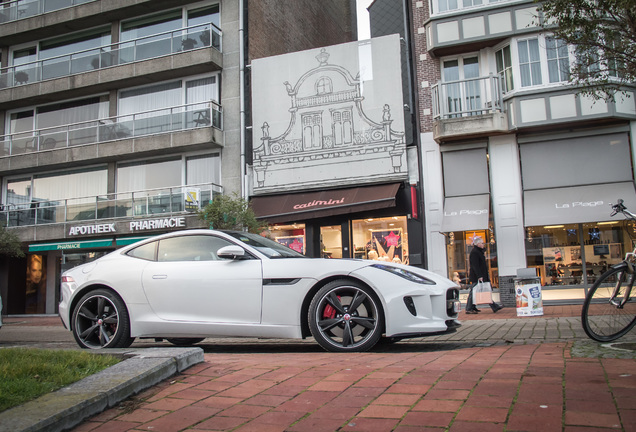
[507,203]
[433,187]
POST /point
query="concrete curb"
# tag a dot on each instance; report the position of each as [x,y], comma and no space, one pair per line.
[70,406]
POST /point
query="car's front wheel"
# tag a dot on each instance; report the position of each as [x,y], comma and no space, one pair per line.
[346,316]
[100,320]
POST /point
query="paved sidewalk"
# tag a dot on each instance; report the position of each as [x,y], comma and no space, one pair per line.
[487,377]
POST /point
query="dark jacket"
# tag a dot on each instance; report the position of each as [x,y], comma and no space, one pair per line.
[478,266]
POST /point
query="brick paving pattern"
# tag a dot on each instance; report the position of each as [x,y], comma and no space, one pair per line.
[498,373]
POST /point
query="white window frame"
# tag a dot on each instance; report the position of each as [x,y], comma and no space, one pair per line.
[543,59]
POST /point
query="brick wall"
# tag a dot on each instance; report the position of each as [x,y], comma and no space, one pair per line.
[507,291]
[428,69]
[283,26]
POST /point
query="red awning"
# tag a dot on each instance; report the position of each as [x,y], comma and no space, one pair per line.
[311,205]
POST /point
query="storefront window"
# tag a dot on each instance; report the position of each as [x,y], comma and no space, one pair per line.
[35,293]
[458,248]
[577,254]
[292,236]
[384,239]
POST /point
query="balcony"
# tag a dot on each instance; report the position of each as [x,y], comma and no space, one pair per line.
[165,202]
[151,47]
[485,25]
[20,9]
[159,57]
[469,107]
[160,121]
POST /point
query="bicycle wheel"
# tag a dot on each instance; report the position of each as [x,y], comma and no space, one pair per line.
[602,317]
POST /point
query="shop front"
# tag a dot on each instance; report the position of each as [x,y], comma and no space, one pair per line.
[570,236]
[367,222]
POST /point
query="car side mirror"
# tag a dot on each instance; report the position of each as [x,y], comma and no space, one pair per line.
[231,252]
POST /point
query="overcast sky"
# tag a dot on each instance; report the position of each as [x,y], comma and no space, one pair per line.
[363,19]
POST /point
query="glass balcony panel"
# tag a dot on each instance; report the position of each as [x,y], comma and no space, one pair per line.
[52,139]
[23,144]
[55,68]
[85,61]
[47,213]
[28,9]
[79,212]
[84,134]
[51,5]
[146,49]
[125,53]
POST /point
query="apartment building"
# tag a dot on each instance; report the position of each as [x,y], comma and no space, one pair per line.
[512,153]
[122,118]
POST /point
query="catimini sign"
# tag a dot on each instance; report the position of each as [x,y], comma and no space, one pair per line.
[318,203]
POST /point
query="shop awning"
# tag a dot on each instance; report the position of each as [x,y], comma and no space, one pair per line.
[579,204]
[83,244]
[311,205]
[466,213]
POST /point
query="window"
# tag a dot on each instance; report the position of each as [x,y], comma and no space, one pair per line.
[203,169]
[323,86]
[148,175]
[146,251]
[558,59]
[504,69]
[529,62]
[576,254]
[190,248]
[381,239]
[464,96]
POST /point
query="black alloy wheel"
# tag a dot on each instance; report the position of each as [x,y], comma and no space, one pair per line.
[345,316]
[100,320]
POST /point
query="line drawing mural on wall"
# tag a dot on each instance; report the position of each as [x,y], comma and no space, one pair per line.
[329,124]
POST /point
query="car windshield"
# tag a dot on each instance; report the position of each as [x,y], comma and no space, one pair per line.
[268,247]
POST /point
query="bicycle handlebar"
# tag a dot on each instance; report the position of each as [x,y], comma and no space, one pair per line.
[619,207]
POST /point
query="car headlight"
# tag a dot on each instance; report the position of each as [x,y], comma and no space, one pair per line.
[408,275]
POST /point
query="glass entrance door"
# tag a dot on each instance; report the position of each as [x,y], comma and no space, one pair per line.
[331,241]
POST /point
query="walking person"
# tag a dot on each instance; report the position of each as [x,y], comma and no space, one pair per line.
[478,273]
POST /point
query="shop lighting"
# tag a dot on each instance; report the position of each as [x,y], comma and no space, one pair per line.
[553,226]
[607,223]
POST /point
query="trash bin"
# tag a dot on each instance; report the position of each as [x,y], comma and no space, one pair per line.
[528,294]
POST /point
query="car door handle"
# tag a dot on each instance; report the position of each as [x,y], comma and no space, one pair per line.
[160,276]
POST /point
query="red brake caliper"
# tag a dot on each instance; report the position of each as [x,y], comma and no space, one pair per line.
[329,312]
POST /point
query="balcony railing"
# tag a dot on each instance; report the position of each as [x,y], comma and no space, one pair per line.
[20,9]
[150,202]
[158,45]
[165,120]
[469,97]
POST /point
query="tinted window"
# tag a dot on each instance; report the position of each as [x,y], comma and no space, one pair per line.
[268,247]
[190,248]
[145,251]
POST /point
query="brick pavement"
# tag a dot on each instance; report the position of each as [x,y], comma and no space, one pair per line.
[505,385]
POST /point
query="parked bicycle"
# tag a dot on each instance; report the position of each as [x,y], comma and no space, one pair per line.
[609,310]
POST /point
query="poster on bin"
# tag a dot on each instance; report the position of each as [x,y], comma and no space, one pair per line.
[529,301]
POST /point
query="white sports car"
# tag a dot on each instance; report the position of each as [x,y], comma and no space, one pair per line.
[188,285]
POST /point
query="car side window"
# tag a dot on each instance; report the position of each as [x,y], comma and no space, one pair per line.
[190,248]
[145,251]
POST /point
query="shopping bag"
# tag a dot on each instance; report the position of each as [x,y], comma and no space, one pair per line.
[482,293]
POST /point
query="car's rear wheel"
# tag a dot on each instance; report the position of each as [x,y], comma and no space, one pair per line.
[184,341]
[100,320]
[346,316]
